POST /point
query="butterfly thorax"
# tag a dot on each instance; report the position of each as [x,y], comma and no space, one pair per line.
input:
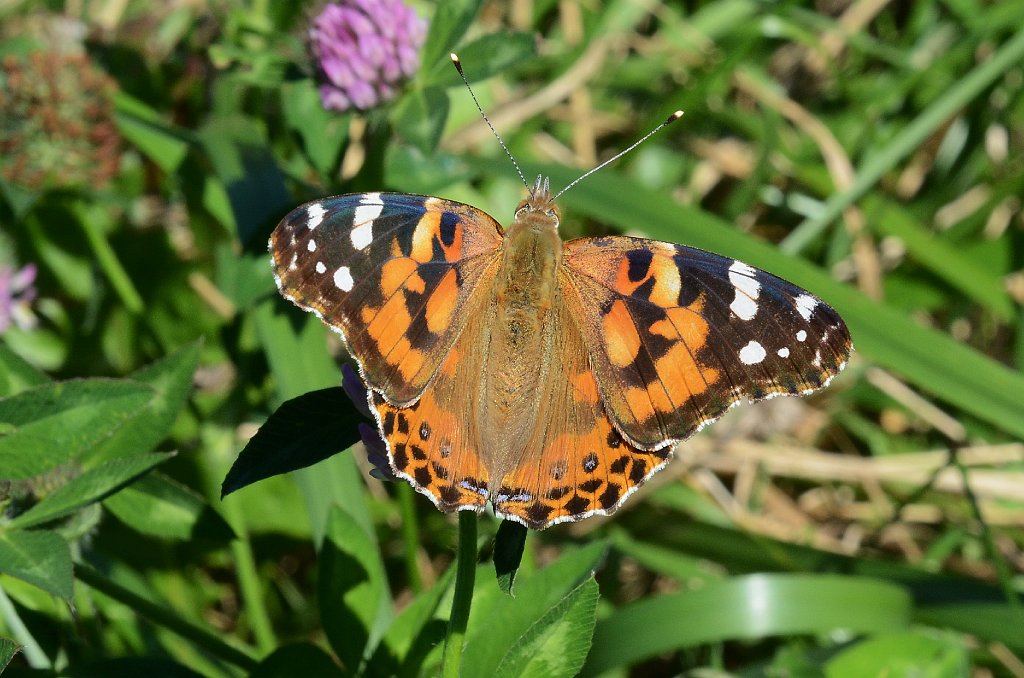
[525,291]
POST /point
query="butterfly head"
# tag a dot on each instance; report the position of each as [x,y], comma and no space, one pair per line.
[539,202]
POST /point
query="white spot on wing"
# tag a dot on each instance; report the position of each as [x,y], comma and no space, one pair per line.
[294,263]
[311,245]
[343,279]
[801,336]
[805,304]
[752,353]
[314,215]
[362,235]
[783,352]
[320,268]
[744,303]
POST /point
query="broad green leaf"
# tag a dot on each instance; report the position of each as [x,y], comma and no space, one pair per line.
[421,117]
[300,433]
[20,199]
[486,56]
[53,424]
[38,557]
[299,659]
[902,655]
[16,375]
[161,507]
[8,648]
[415,631]
[747,607]
[171,380]
[355,606]
[323,132]
[487,642]
[91,486]
[556,644]
[145,128]
[447,28]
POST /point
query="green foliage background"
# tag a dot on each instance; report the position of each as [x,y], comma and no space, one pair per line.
[871,152]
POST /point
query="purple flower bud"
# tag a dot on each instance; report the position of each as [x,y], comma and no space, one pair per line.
[16,296]
[364,49]
[376,450]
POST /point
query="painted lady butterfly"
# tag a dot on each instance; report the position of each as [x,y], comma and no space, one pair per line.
[550,378]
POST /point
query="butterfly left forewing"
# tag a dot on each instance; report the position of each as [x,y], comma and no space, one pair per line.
[392,273]
[678,335]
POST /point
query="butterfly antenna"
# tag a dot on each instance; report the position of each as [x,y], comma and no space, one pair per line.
[668,121]
[458,67]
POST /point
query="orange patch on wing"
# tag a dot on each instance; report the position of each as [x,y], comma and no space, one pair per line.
[666,282]
[423,237]
[441,303]
[585,386]
[411,362]
[390,324]
[451,363]
[639,403]
[397,273]
[621,336]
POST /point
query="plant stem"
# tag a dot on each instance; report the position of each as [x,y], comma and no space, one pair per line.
[410,536]
[111,265]
[465,576]
[205,638]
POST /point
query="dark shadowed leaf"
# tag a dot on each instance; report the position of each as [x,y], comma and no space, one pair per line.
[301,659]
[16,375]
[355,606]
[300,433]
[508,553]
[8,648]
[421,117]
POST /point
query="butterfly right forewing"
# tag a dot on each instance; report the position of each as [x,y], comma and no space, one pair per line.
[678,335]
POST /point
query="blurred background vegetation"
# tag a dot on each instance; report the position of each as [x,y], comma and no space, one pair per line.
[869,150]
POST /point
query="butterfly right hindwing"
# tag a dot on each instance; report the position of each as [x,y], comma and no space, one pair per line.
[391,272]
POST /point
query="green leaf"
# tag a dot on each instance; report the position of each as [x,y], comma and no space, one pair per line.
[53,424]
[556,644]
[17,375]
[300,433]
[488,641]
[145,128]
[355,606]
[486,56]
[39,557]
[89,487]
[323,132]
[160,507]
[20,199]
[130,667]
[920,654]
[447,29]
[747,607]
[8,648]
[298,659]
[171,381]
[421,117]
[508,553]
[998,622]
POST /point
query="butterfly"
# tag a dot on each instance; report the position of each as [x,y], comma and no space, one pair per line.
[548,378]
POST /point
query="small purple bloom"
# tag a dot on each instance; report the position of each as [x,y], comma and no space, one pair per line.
[376,450]
[16,297]
[363,50]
